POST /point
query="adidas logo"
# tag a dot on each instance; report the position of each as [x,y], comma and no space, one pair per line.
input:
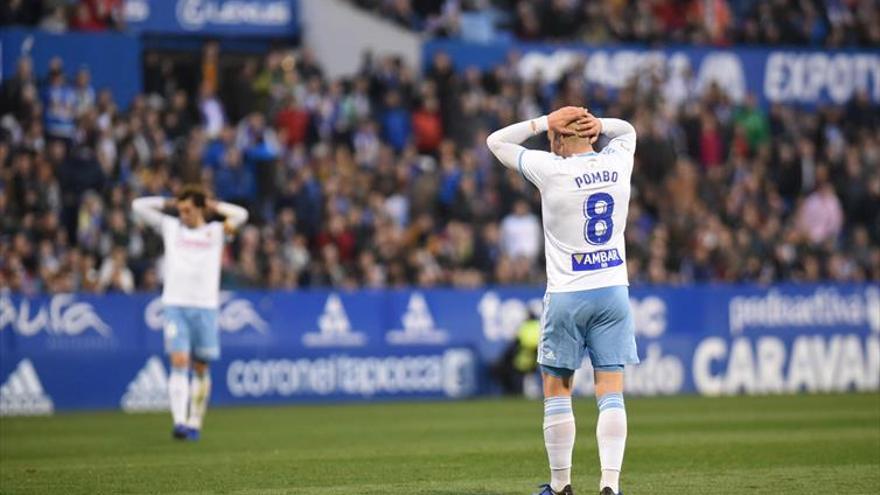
[22,394]
[335,328]
[418,325]
[149,389]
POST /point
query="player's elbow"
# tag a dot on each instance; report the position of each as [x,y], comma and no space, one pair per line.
[137,205]
[494,143]
[242,219]
[236,220]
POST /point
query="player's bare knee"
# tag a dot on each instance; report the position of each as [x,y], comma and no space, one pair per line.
[608,382]
[556,386]
[179,360]
[200,367]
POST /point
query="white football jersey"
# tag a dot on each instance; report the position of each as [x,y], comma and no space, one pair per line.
[584,203]
[192,261]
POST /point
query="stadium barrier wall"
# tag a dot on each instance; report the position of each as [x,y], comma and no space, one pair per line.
[795,76]
[113,59]
[343,56]
[68,351]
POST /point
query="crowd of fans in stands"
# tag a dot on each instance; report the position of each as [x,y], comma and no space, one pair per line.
[59,16]
[829,23]
[384,179]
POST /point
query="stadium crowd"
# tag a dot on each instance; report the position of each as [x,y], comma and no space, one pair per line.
[831,23]
[59,16]
[384,179]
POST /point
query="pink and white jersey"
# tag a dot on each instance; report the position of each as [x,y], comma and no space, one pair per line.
[192,263]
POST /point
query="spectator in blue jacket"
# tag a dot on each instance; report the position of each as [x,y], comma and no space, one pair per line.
[396,124]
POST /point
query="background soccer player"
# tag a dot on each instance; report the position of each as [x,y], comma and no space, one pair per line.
[190,296]
[584,200]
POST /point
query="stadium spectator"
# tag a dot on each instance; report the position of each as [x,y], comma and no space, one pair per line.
[382,180]
[820,217]
[832,23]
[19,12]
[292,122]
[396,123]
[60,107]
[427,126]
[55,20]
[521,233]
[114,275]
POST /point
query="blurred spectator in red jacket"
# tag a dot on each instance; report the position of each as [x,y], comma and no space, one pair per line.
[292,122]
[427,126]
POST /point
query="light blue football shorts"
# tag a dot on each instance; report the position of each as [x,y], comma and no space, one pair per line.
[192,330]
[599,322]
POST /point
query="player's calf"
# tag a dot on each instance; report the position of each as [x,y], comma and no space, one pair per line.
[611,428]
[559,427]
[178,392]
[200,391]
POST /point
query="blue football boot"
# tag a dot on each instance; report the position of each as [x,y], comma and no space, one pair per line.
[609,491]
[546,490]
[180,432]
[193,434]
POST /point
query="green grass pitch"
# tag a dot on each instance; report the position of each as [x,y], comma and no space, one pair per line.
[773,445]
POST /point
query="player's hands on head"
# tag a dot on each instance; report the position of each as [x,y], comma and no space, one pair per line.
[558,121]
[590,128]
[571,121]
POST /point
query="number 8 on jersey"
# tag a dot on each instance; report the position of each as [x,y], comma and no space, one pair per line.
[598,209]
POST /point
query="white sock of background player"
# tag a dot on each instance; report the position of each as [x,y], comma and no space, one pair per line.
[200,391]
[178,394]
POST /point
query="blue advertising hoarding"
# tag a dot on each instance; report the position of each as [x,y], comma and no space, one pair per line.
[774,75]
[113,59]
[256,18]
[66,352]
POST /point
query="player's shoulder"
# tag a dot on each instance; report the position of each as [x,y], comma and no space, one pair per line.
[537,156]
[170,221]
[221,228]
[618,152]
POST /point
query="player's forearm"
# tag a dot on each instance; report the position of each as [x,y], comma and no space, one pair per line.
[149,209]
[615,128]
[505,143]
[235,215]
[148,203]
[620,134]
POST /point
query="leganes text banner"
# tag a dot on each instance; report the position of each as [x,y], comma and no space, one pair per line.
[256,18]
[795,76]
[69,351]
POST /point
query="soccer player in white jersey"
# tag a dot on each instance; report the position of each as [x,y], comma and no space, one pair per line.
[191,295]
[584,202]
